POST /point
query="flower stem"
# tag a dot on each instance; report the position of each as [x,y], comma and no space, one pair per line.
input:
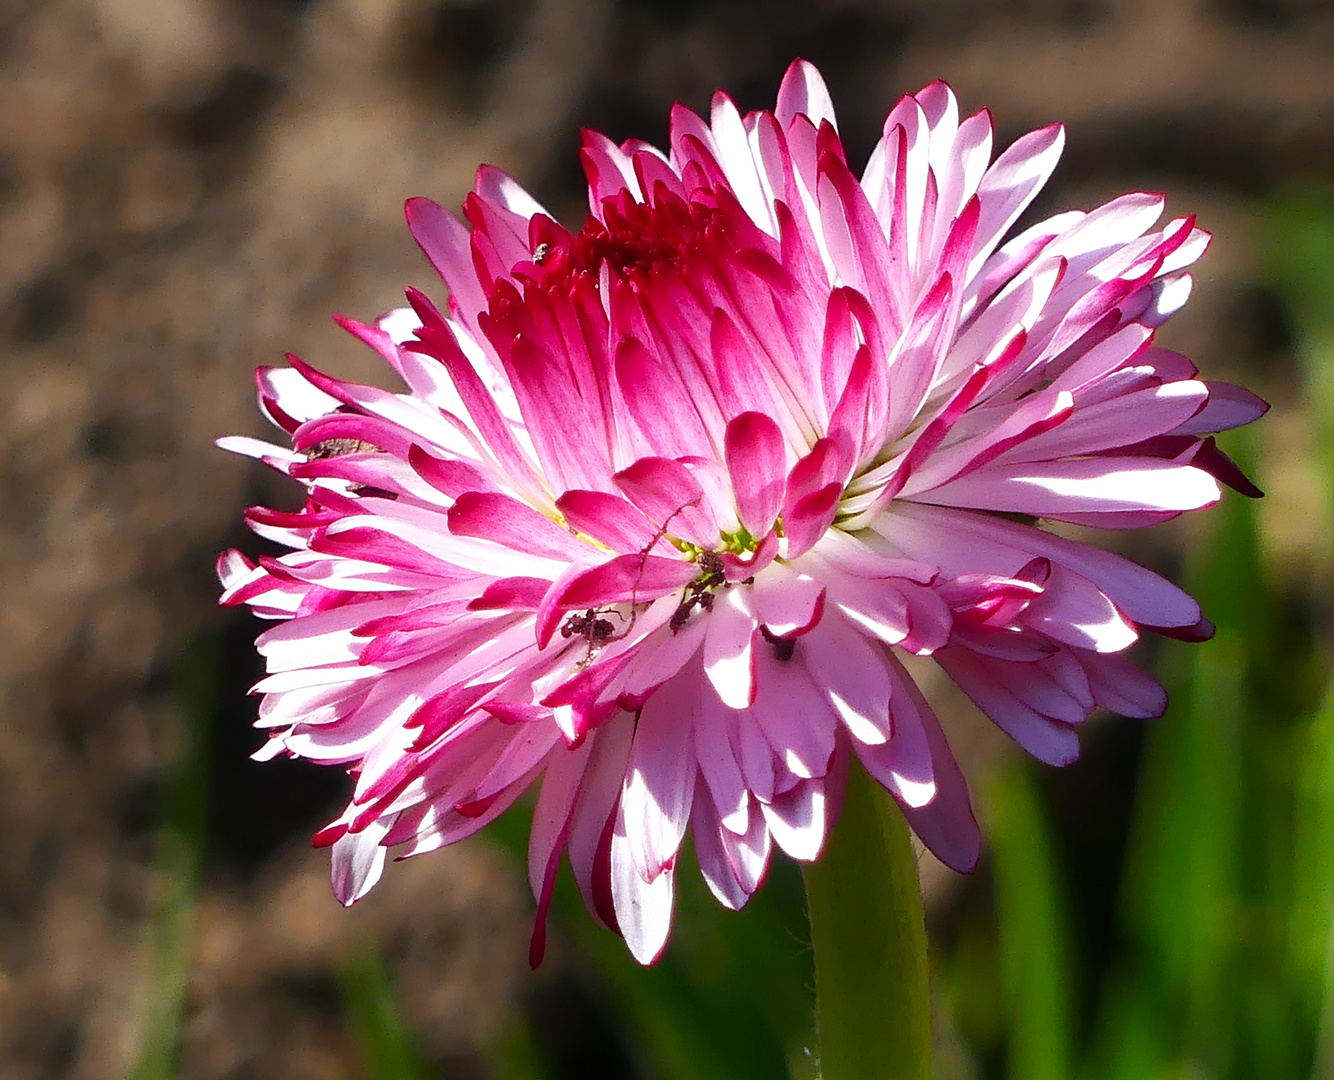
[872,994]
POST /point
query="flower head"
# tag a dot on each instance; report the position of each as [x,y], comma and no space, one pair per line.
[667,499]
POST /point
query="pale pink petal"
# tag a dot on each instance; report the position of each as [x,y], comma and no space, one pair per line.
[796,819]
[803,93]
[643,908]
[796,718]
[714,865]
[660,779]
[788,603]
[1086,486]
[729,649]
[358,862]
[853,676]
[715,735]
[945,824]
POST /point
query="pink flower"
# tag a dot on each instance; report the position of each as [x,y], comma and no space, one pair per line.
[667,499]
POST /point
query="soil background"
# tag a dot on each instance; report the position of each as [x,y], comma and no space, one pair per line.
[190,187]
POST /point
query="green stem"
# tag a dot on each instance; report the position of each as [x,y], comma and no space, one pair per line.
[872,993]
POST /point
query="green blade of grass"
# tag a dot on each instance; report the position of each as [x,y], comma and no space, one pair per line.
[1313,923]
[373,1013]
[1032,929]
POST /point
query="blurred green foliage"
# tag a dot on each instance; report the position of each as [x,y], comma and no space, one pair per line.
[1222,954]
[181,836]
[372,1011]
[730,1000]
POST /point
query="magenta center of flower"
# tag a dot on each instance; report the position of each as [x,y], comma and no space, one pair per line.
[633,239]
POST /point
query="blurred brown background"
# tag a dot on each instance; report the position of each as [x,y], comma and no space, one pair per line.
[189,187]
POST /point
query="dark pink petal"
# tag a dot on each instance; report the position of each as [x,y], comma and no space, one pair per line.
[289,398]
[233,567]
[879,609]
[376,546]
[512,594]
[513,712]
[739,567]
[481,406]
[578,705]
[829,462]
[754,755]
[653,172]
[1121,421]
[569,441]
[1002,428]
[425,376]
[812,515]
[734,154]
[505,520]
[1014,707]
[1217,464]
[607,167]
[1012,182]
[657,401]
[718,767]
[594,814]
[740,368]
[528,747]
[660,657]
[748,852]
[435,716]
[1074,611]
[863,255]
[632,579]
[446,475]
[851,416]
[905,762]
[609,519]
[669,496]
[379,433]
[550,612]
[963,540]
[920,352]
[757,464]
[499,236]
[838,347]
